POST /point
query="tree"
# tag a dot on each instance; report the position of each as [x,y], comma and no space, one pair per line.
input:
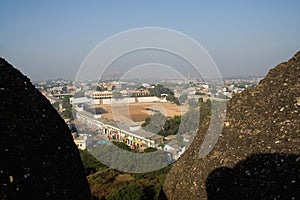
[90,161]
[183,98]
[190,121]
[173,99]
[160,89]
[100,88]
[205,110]
[117,94]
[141,88]
[193,103]
[208,103]
[161,125]
[150,149]
[199,93]
[66,102]
[154,123]
[122,145]
[67,107]
[67,113]
[56,105]
[200,101]
[73,128]
[79,94]
[171,126]
[133,191]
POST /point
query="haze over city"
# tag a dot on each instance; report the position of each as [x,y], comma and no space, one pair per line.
[50,39]
[149,100]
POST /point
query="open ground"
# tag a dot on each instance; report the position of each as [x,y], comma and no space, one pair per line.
[138,112]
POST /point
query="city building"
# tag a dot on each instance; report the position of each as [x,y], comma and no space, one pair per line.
[81,141]
[132,135]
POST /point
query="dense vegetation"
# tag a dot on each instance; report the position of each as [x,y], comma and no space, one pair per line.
[66,107]
[90,163]
[159,89]
[161,125]
[106,183]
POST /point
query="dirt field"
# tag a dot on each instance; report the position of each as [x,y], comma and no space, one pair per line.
[138,112]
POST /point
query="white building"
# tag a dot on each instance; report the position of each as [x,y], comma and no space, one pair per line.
[133,136]
[81,141]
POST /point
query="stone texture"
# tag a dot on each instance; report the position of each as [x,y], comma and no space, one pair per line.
[261,132]
[39,159]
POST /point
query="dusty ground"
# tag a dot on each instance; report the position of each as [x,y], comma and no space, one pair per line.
[137,112]
[124,177]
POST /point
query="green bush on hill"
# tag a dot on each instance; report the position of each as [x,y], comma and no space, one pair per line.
[133,191]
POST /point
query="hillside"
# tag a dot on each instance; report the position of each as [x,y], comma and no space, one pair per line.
[257,154]
[39,159]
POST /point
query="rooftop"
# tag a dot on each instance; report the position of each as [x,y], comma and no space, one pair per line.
[121,125]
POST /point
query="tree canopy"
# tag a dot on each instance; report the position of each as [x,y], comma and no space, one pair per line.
[187,123]
[131,192]
[67,107]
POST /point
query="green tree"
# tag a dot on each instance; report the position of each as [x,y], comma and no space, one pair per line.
[154,123]
[67,107]
[117,94]
[208,103]
[200,101]
[173,99]
[90,161]
[79,94]
[193,103]
[190,121]
[149,149]
[100,88]
[199,93]
[171,126]
[182,98]
[205,110]
[141,88]
[122,145]
[56,105]
[133,191]
[160,89]
[66,102]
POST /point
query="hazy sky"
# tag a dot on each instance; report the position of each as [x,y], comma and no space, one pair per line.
[50,39]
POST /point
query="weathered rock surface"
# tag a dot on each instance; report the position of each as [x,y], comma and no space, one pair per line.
[39,159]
[257,154]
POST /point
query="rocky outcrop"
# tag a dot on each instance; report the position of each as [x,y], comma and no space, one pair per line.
[39,159]
[260,138]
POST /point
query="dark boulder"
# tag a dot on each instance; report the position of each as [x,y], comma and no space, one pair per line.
[39,159]
[264,120]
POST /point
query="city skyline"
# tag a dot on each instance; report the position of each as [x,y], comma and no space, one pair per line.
[48,40]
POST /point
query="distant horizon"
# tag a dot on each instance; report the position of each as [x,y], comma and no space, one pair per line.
[226,76]
[51,39]
[235,77]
